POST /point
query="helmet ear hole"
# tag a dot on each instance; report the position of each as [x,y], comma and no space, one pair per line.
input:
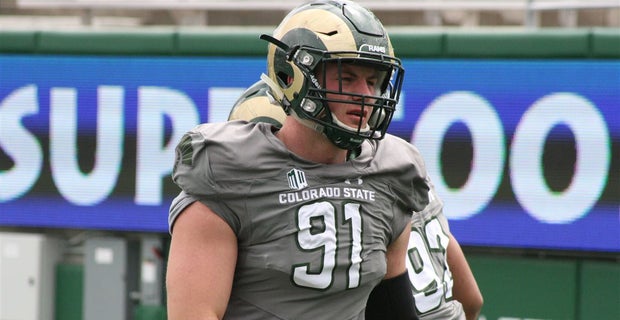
[284,80]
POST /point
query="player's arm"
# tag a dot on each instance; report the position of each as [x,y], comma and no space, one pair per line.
[201,265]
[396,254]
[465,288]
[392,298]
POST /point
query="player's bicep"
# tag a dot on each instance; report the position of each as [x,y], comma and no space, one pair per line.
[201,264]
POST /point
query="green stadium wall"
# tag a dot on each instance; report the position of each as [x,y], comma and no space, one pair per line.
[599,43]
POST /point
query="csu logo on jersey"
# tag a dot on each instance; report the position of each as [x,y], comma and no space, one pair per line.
[296,179]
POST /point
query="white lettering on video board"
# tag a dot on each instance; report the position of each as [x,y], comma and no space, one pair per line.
[526,171]
[154,155]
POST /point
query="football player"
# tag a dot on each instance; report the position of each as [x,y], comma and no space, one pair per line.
[310,220]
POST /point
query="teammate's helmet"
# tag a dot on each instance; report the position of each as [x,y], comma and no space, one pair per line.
[256,104]
[339,32]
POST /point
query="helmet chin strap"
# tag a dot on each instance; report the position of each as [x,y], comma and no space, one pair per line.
[346,127]
[323,130]
[306,122]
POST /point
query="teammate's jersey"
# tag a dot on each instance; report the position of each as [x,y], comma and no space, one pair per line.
[428,265]
[312,237]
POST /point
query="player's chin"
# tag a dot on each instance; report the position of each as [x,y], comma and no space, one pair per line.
[355,121]
[356,127]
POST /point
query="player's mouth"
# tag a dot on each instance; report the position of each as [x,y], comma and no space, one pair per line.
[357,115]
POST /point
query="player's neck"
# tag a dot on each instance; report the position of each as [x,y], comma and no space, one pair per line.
[310,144]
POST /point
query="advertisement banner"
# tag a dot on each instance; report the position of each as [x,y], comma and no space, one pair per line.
[524,153]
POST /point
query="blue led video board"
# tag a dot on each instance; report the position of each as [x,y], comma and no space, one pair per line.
[524,153]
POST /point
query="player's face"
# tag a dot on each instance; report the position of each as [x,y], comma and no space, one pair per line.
[361,81]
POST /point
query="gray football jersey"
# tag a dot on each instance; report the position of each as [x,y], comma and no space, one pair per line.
[428,265]
[312,237]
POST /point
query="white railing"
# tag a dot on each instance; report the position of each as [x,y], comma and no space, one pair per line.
[531,9]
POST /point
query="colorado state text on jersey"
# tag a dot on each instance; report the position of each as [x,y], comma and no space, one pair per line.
[326,192]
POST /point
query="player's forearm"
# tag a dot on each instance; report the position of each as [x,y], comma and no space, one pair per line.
[465,288]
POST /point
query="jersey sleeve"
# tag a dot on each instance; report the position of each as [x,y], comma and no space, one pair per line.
[193,173]
[420,183]
[412,177]
[405,165]
[435,207]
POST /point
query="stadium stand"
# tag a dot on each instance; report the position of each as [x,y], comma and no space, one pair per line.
[435,13]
